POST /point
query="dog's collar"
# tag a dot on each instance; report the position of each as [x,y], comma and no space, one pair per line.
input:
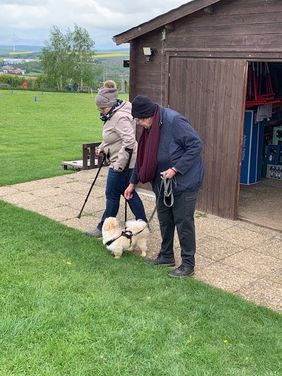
[128,234]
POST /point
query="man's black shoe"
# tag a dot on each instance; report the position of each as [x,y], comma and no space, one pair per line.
[182,271]
[160,260]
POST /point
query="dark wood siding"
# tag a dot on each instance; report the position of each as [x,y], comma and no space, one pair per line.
[145,77]
[210,93]
[238,25]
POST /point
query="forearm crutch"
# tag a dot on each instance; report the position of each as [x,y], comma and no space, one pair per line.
[92,185]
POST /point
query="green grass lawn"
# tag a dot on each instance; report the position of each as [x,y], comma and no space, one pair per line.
[37,136]
[69,308]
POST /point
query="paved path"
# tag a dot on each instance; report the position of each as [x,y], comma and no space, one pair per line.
[233,255]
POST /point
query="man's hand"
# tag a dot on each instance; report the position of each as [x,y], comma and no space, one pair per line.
[129,191]
[169,173]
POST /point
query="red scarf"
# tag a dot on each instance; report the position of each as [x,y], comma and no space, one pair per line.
[146,163]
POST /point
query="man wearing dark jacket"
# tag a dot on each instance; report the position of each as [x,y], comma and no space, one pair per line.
[169,156]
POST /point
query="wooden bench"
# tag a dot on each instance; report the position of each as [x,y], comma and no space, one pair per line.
[89,158]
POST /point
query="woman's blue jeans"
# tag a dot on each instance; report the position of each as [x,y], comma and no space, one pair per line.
[117,182]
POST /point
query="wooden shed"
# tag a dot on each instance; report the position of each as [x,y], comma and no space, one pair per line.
[202,56]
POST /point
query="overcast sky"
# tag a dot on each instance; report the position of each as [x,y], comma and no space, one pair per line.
[28,22]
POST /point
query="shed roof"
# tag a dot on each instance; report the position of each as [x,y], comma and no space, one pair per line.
[162,20]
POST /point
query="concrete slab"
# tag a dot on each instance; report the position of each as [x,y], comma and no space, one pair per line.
[264,293]
[76,186]
[37,205]
[18,197]
[72,199]
[216,248]
[275,276]
[225,277]
[7,191]
[201,263]
[84,223]
[61,213]
[47,192]
[271,247]
[268,233]
[42,184]
[256,264]
[213,226]
[259,203]
[242,237]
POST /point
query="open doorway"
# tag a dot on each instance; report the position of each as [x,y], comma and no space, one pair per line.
[261,166]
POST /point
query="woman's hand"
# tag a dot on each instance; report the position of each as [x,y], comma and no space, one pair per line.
[129,191]
[98,152]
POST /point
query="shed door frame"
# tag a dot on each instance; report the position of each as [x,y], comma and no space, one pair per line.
[210,199]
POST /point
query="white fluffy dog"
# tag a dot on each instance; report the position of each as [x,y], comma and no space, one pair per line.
[132,237]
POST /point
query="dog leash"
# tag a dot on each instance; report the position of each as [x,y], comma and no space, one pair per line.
[166,185]
[168,193]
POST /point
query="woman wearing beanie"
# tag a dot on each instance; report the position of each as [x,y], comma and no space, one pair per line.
[120,146]
[169,155]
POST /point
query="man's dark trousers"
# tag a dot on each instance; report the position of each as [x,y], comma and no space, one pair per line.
[181,216]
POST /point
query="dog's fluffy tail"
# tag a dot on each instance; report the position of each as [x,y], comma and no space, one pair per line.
[136,226]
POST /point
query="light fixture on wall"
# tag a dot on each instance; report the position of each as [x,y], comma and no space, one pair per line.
[148,53]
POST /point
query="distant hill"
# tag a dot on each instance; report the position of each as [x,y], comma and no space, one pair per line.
[21,48]
[34,52]
[33,49]
[115,50]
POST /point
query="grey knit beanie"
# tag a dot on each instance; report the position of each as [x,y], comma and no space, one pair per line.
[106,97]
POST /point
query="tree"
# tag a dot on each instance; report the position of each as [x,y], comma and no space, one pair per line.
[56,58]
[66,57]
[82,54]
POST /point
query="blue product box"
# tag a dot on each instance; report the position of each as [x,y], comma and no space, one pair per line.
[252,149]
